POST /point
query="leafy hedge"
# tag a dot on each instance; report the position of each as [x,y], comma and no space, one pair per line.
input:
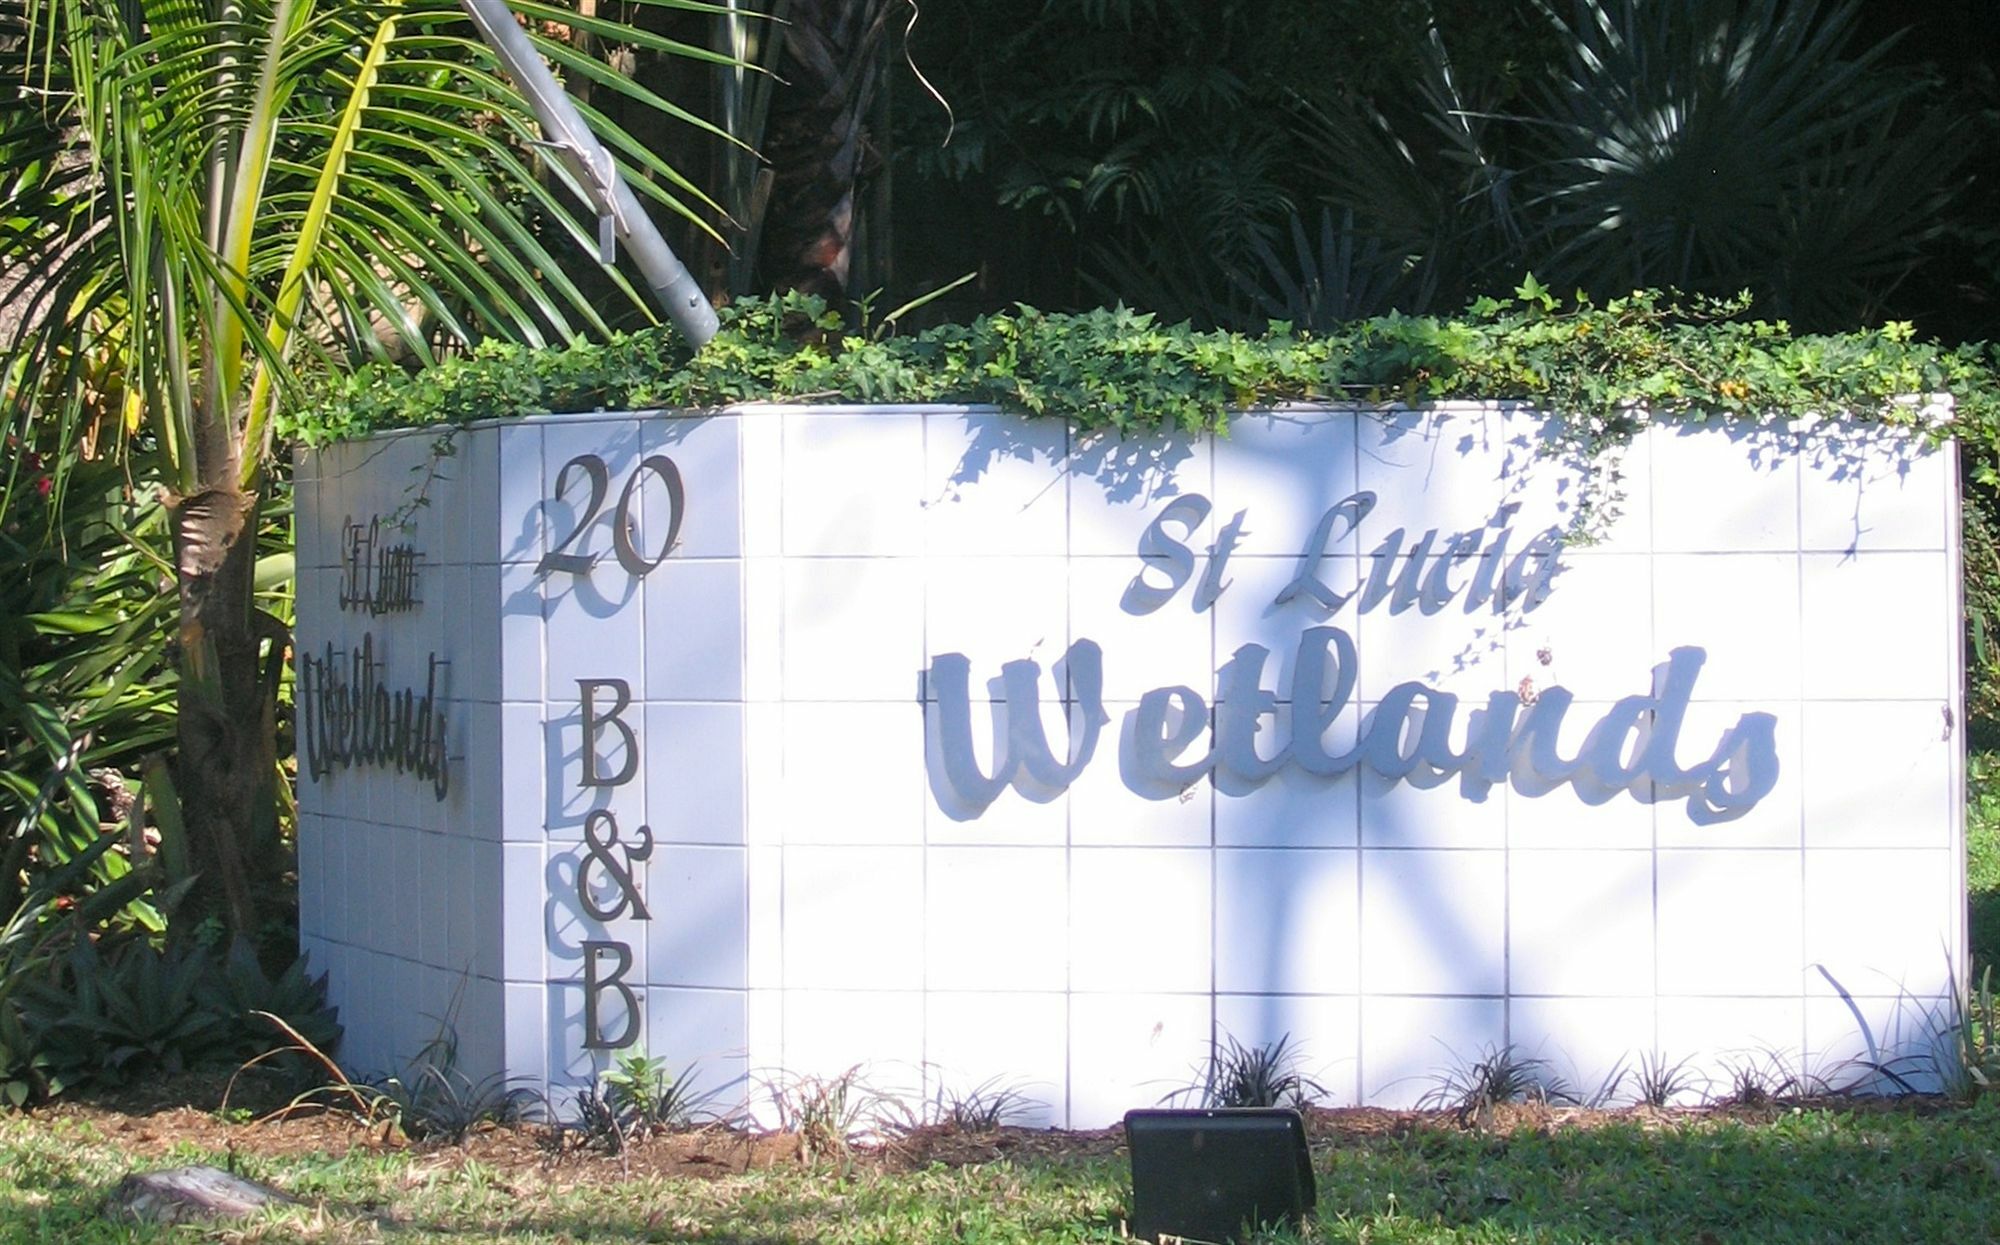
[1604,369]
[1598,366]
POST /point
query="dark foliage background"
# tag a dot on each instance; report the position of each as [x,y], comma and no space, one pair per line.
[1227,163]
[1230,161]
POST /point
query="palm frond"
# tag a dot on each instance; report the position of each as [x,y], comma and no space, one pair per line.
[202,193]
[1690,145]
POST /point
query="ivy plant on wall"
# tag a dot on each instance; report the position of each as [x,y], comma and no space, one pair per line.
[1602,368]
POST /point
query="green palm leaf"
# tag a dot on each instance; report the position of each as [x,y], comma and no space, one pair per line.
[375,170]
[207,200]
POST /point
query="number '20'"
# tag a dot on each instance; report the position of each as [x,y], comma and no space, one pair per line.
[624,525]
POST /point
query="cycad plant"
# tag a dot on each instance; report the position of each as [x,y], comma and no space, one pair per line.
[1710,145]
[207,198]
[1724,144]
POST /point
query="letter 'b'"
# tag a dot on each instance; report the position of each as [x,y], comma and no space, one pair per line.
[594,720]
[594,986]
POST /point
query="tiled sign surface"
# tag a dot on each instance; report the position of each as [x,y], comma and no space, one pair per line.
[971,750]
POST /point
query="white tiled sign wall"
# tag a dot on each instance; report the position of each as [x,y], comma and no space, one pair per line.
[810,888]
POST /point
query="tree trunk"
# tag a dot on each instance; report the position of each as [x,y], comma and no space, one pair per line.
[817,143]
[228,764]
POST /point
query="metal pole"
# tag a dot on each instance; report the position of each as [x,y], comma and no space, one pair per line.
[618,210]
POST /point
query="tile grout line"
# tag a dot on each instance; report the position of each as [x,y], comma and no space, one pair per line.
[1360,831]
[1799,691]
[748,857]
[1653,649]
[1069,808]
[784,752]
[1507,855]
[1214,874]
[924,1069]
[643,703]
[543,1022]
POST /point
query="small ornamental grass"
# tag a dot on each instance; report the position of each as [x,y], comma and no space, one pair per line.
[436,1104]
[1659,1080]
[984,1107]
[1263,1075]
[1470,1089]
[826,1112]
[639,1097]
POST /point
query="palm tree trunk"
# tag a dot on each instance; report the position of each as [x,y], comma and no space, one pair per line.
[817,143]
[227,767]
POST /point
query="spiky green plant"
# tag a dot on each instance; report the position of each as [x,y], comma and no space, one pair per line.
[827,1112]
[205,196]
[1661,1080]
[1976,1037]
[1471,1088]
[651,1097]
[954,1106]
[1265,1074]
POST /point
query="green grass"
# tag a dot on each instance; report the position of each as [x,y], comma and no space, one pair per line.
[1801,1175]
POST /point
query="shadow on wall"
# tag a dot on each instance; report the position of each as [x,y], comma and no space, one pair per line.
[1406,736]
[1144,471]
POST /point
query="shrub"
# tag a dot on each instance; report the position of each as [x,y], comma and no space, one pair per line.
[1602,368]
[101,1018]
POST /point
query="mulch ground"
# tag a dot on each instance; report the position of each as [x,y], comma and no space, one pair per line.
[208,1111]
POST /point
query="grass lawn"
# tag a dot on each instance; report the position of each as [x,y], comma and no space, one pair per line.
[1841,1171]
[1857,1173]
